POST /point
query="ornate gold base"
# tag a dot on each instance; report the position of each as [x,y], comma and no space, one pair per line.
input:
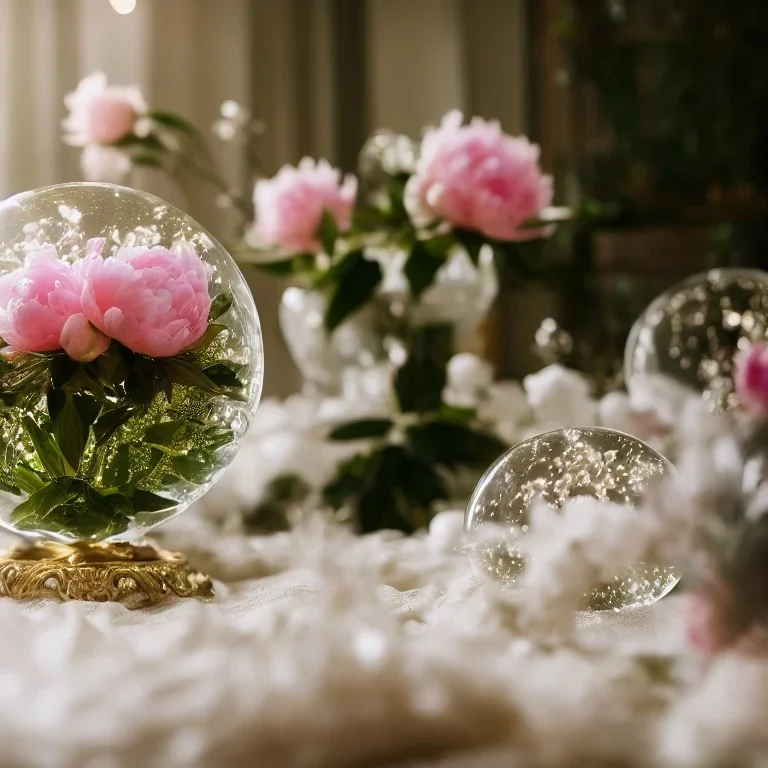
[134,575]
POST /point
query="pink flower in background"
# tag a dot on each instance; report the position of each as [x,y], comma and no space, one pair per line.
[100,113]
[152,300]
[477,177]
[752,377]
[81,341]
[706,622]
[289,206]
[36,300]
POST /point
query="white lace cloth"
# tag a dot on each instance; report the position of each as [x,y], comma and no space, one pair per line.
[317,651]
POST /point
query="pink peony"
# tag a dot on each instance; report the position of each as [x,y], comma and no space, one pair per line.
[289,207]
[707,625]
[81,341]
[36,300]
[751,377]
[152,300]
[477,177]
[100,113]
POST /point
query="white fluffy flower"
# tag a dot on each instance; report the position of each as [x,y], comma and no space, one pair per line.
[106,164]
[560,397]
[721,721]
[505,406]
[468,376]
[101,113]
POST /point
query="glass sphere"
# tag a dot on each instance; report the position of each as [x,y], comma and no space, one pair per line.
[691,332]
[557,466]
[131,362]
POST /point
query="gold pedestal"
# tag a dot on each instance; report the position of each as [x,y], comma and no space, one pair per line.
[134,575]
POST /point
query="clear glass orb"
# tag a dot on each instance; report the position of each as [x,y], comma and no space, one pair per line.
[555,467]
[691,332]
[131,362]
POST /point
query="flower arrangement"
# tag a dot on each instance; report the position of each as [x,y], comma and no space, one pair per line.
[373,248]
[112,366]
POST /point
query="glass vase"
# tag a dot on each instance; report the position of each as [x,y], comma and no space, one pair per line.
[376,336]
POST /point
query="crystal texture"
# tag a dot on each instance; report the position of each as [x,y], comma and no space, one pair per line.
[558,466]
[104,446]
[691,333]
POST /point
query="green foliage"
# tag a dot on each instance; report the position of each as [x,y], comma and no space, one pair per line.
[356,285]
[396,486]
[420,381]
[108,437]
[361,430]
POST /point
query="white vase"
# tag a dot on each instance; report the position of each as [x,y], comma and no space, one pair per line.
[460,297]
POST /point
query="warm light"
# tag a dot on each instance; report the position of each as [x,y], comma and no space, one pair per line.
[123,6]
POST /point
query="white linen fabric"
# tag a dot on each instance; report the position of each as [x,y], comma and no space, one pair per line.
[320,649]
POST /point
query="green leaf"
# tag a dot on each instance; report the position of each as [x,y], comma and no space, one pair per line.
[328,232]
[361,430]
[196,466]
[8,488]
[163,432]
[356,285]
[118,470]
[147,161]
[63,367]
[421,267]
[46,449]
[150,142]
[114,366]
[72,423]
[420,381]
[451,445]
[219,306]
[280,268]
[144,501]
[108,423]
[472,242]
[153,457]
[173,121]
[399,493]
[349,480]
[32,512]
[224,374]
[27,479]
[212,332]
[456,414]
[217,437]
[181,371]
[395,192]
[141,387]
[55,401]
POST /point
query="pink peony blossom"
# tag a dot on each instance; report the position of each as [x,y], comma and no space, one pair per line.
[36,300]
[707,625]
[289,207]
[751,377]
[477,177]
[81,341]
[152,300]
[100,113]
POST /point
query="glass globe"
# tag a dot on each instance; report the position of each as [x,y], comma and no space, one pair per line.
[691,332]
[131,362]
[557,466]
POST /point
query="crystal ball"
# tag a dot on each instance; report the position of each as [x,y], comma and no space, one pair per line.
[557,466]
[131,362]
[691,333]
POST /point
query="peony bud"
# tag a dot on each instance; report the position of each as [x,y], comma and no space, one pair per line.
[81,340]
